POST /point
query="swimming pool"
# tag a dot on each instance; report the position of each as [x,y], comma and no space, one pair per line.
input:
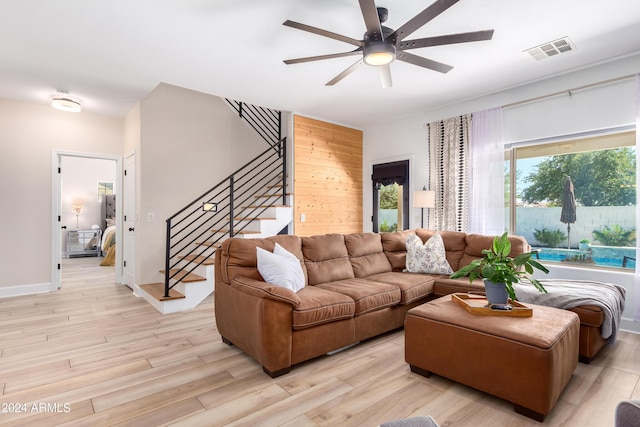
[604,256]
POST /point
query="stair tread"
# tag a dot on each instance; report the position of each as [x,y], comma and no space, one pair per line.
[200,259]
[273,195]
[255,218]
[210,244]
[265,206]
[187,277]
[226,230]
[156,290]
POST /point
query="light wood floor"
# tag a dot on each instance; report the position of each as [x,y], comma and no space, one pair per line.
[92,354]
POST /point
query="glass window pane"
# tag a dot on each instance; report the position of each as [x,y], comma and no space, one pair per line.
[390,207]
[600,230]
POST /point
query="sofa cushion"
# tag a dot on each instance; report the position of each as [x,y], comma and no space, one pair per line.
[238,256]
[395,248]
[412,286]
[326,258]
[368,295]
[428,257]
[318,306]
[454,244]
[445,286]
[475,243]
[366,254]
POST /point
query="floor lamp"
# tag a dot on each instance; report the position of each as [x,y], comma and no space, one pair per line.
[424,199]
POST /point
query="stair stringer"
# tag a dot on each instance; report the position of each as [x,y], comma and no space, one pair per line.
[279,218]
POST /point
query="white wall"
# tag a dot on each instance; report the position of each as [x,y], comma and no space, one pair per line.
[29,134]
[604,106]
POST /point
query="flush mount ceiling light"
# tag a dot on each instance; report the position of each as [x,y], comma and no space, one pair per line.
[62,101]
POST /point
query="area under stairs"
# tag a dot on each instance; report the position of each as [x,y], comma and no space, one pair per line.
[196,286]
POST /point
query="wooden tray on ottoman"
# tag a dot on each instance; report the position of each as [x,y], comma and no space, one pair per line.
[478,304]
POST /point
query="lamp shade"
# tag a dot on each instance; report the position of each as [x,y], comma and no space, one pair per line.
[424,199]
[76,208]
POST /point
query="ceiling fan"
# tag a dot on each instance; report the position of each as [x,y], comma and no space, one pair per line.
[382,45]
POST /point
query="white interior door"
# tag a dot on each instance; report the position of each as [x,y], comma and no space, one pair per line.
[129,219]
[56,225]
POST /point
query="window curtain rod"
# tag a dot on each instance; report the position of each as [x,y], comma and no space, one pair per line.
[570,91]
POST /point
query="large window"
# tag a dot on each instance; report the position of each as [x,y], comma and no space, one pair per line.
[599,174]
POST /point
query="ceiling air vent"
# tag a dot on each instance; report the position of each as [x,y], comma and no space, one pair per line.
[551,48]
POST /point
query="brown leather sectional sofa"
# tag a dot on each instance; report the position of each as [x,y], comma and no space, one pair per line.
[355,289]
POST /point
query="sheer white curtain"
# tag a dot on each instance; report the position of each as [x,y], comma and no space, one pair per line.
[487,209]
[636,314]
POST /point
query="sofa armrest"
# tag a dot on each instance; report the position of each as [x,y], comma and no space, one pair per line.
[265,290]
[253,316]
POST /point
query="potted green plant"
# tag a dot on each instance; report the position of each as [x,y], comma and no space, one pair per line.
[584,244]
[499,270]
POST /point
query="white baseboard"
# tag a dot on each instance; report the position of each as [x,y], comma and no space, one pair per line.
[629,325]
[14,291]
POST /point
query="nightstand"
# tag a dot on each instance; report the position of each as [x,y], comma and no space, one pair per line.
[83,243]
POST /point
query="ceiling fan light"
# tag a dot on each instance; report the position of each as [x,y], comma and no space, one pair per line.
[64,102]
[379,54]
[379,58]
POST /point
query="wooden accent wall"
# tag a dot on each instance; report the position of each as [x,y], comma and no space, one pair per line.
[327,177]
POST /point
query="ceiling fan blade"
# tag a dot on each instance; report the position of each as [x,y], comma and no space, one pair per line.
[421,18]
[320,57]
[385,76]
[324,33]
[371,19]
[473,36]
[423,62]
[345,73]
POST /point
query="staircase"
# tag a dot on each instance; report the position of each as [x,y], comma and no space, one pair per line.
[252,202]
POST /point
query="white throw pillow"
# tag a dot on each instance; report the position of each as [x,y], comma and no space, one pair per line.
[281,268]
[429,257]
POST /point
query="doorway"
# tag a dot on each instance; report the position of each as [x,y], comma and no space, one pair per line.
[390,196]
[77,194]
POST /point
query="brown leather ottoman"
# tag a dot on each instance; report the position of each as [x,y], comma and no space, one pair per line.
[525,360]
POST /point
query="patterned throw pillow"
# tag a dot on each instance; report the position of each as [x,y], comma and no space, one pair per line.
[429,257]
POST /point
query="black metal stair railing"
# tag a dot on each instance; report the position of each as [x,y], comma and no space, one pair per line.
[195,231]
[265,121]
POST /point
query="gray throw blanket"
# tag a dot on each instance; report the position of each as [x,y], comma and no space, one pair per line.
[573,293]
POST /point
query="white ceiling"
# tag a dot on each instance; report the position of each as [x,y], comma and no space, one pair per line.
[112,53]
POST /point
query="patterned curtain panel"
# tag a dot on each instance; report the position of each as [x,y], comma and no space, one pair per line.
[449,172]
